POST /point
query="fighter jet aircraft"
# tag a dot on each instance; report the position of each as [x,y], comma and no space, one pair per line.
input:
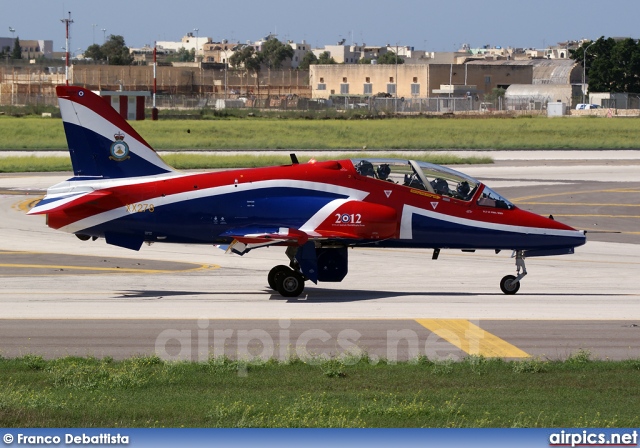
[124,192]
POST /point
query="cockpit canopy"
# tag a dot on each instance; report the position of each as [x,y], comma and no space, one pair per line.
[430,177]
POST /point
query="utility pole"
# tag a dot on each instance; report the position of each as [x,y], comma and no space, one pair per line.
[395,102]
[67,22]
[584,71]
[195,57]
[154,110]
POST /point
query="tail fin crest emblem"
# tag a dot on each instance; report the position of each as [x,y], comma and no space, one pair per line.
[119,148]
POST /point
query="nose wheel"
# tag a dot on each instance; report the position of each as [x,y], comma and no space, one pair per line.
[510,284]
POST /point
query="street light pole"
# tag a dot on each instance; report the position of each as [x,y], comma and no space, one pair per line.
[226,65]
[104,35]
[195,58]
[67,22]
[396,99]
[584,71]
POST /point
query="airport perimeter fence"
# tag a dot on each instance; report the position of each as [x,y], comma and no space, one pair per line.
[441,105]
[44,100]
[293,102]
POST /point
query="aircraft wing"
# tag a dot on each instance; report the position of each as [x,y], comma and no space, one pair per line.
[246,239]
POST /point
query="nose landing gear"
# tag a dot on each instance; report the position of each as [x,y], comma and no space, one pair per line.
[511,284]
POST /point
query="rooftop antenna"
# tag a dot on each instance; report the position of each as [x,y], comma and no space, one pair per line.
[67,22]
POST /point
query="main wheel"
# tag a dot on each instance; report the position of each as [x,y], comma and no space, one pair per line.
[273,273]
[290,284]
[508,285]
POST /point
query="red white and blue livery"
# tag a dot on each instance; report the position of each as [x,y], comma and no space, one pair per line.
[123,191]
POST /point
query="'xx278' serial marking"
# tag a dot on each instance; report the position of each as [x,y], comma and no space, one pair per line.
[140,208]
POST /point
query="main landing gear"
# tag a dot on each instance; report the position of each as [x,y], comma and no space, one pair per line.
[288,282]
[511,284]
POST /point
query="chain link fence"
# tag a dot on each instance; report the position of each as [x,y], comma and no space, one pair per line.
[194,88]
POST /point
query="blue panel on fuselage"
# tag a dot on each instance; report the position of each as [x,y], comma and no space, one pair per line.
[435,233]
[202,220]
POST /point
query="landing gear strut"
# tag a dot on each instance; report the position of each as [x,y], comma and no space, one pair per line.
[511,284]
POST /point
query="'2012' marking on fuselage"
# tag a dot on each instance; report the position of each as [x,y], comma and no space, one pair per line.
[345,218]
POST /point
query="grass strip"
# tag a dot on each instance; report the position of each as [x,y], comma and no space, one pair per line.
[343,392]
[17,164]
[418,133]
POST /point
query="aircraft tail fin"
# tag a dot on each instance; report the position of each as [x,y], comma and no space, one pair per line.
[101,142]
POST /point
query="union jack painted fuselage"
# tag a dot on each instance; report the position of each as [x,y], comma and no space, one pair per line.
[123,191]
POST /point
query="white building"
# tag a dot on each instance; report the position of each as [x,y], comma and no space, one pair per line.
[299,51]
[188,42]
[342,54]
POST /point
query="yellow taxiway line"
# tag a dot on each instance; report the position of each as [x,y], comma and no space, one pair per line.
[99,269]
[472,339]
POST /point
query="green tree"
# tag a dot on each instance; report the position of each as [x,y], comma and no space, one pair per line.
[496,92]
[275,52]
[16,53]
[114,51]
[183,55]
[95,52]
[246,57]
[308,59]
[390,58]
[612,65]
[326,58]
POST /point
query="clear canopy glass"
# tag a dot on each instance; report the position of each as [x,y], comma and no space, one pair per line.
[433,178]
[420,175]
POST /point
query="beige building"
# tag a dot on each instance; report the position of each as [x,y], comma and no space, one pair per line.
[219,52]
[30,49]
[545,71]
[412,80]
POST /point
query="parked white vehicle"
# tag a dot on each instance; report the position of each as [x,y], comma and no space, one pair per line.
[587,106]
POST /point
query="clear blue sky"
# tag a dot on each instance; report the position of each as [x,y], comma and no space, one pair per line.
[429,25]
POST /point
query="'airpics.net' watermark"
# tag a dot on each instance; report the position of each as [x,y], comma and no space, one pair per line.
[312,345]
